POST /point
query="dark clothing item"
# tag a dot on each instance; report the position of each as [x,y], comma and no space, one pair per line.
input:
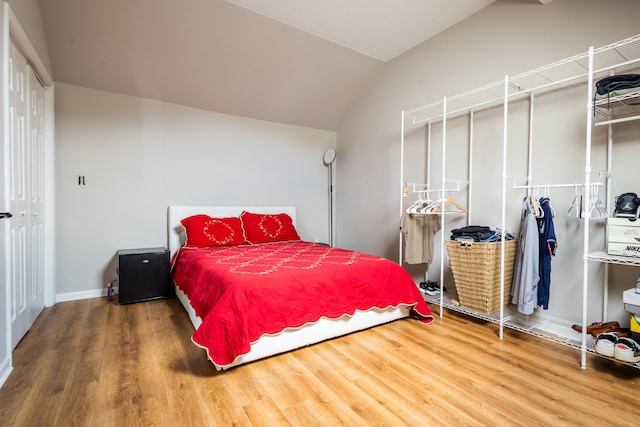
[474,232]
[548,245]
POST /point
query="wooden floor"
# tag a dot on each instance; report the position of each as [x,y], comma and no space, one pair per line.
[91,363]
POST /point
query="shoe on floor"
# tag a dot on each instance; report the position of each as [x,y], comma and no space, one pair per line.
[627,350]
[620,332]
[427,285]
[433,288]
[606,343]
[597,325]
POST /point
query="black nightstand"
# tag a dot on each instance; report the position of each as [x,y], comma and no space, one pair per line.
[143,275]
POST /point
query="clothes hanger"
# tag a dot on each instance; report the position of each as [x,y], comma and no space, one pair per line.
[420,205]
[546,195]
[597,209]
[414,206]
[425,205]
[449,201]
[535,207]
[575,210]
[551,209]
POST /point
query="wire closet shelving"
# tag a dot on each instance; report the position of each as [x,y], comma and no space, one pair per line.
[582,69]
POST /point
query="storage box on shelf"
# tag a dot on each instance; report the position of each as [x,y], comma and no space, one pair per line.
[476,273]
[634,323]
[631,301]
[624,237]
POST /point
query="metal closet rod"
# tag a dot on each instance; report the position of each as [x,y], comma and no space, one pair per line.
[543,187]
[415,185]
[601,172]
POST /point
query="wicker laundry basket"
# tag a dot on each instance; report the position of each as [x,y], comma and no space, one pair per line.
[476,273]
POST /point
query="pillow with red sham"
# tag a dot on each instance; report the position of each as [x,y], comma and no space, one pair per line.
[266,228]
[203,231]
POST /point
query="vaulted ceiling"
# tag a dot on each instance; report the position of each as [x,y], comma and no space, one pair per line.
[288,61]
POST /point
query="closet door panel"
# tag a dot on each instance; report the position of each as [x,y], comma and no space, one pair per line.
[18,199]
[26,152]
[36,198]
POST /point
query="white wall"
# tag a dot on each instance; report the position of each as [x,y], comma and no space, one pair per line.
[508,37]
[28,13]
[139,156]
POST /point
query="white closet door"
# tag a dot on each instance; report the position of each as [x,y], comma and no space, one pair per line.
[25,234]
[35,298]
[5,326]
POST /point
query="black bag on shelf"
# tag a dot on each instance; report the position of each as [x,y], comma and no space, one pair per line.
[622,81]
[627,206]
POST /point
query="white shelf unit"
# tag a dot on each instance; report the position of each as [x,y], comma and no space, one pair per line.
[581,69]
[615,58]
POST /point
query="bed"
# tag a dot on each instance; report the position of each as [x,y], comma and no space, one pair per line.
[251,301]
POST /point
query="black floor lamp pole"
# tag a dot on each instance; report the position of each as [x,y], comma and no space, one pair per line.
[331,204]
[328,159]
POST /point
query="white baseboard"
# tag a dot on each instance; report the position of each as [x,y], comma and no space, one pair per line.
[5,370]
[74,296]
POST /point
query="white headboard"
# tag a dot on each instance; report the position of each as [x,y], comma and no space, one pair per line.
[175,236]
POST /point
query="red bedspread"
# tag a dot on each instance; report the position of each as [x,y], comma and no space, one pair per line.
[244,292]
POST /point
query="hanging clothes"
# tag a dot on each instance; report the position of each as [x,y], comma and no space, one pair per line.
[548,245]
[418,234]
[524,289]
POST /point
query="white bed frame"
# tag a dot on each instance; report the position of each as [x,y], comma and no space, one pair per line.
[290,339]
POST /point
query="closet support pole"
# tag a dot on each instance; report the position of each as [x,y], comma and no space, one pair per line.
[401,184]
[587,183]
[428,163]
[504,201]
[530,144]
[605,299]
[444,157]
[470,169]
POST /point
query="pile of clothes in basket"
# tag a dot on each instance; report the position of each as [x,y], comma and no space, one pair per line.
[476,233]
[479,233]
